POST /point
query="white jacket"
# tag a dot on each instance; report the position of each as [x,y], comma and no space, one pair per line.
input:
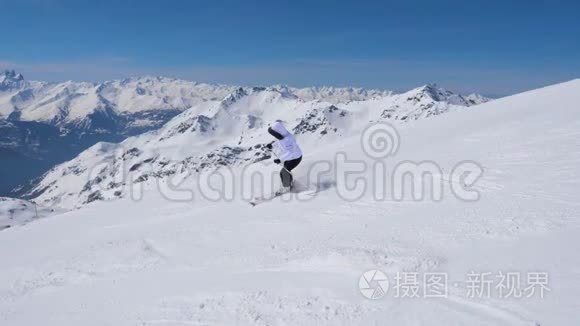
[286,148]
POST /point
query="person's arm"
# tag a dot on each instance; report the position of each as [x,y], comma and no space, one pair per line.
[278,149]
[274,133]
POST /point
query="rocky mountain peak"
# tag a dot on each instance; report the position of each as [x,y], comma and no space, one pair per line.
[435,93]
[11,80]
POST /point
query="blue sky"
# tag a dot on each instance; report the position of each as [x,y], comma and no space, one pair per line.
[493,47]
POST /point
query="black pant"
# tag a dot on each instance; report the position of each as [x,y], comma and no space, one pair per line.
[285,174]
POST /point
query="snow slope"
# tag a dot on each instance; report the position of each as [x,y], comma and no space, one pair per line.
[156,261]
[14,212]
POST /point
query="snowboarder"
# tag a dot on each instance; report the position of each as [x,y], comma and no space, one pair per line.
[288,152]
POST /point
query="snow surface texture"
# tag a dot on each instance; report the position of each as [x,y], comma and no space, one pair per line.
[14,212]
[162,262]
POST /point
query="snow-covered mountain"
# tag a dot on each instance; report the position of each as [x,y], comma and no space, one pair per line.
[47,123]
[136,104]
[10,80]
[230,132]
[120,106]
[336,94]
[44,124]
[475,99]
[504,257]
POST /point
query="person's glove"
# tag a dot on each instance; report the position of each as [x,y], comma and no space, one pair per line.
[277,161]
[269,146]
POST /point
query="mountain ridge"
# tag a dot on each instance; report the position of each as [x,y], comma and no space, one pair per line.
[83,113]
[225,133]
